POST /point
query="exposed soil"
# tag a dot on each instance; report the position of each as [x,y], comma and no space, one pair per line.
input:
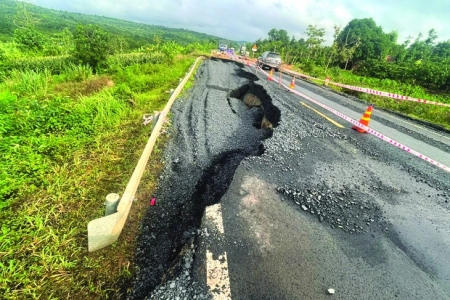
[84,88]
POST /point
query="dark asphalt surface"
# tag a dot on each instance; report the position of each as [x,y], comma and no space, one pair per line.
[420,137]
[306,207]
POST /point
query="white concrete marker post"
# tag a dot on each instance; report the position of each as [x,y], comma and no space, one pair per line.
[104,231]
[112,200]
[155,119]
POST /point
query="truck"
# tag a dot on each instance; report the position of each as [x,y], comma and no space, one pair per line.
[243,51]
[223,47]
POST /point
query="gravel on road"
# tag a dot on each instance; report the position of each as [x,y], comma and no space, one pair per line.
[349,182]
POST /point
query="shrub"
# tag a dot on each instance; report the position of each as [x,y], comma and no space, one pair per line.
[91,45]
[29,39]
[428,74]
[307,66]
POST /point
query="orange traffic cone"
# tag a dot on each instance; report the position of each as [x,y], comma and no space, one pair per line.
[270,75]
[292,85]
[364,120]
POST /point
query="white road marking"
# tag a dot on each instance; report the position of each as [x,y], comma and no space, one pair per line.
[214,213]
[218,279]
[217,275]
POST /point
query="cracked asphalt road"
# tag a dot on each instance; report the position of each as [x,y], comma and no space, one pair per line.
[306,206]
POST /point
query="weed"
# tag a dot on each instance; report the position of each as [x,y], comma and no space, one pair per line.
[60,157]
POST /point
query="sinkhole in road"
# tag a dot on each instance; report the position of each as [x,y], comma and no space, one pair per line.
[255,95]
[186,189]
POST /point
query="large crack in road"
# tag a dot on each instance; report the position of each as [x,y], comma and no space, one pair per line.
[367,194]
[211,136]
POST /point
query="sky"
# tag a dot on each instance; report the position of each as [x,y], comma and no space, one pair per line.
[249,20]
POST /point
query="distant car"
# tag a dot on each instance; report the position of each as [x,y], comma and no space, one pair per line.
[270,60]
[223,47]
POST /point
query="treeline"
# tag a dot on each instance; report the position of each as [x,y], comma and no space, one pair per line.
[53,26]
[363,47]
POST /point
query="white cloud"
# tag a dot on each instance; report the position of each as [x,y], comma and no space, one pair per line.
[252,19]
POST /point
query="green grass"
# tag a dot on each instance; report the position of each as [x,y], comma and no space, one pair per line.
[62,153]
[78,73]
[28,82]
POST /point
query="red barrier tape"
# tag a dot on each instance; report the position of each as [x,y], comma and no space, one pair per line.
[368,129]
[367,90]
[389,95]
[376,92]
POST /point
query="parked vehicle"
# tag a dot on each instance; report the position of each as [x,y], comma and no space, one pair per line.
[270,60]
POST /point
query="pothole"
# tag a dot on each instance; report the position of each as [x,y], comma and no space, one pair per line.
[344,209]
[254,95]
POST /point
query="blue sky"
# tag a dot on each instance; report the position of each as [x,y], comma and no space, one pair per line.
[252,19]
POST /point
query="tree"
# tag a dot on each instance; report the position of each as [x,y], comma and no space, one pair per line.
[422,50]
[278,41]
[315,39]
[119,44]
[334,50]
[60,43]
[442,50]
[279,36]
[26,35]
[348,52]
[374,43]
[66,40]
[432,36]
[91,45]
[29,39]
[418,50]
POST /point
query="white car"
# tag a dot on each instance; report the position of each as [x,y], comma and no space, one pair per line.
[270,60]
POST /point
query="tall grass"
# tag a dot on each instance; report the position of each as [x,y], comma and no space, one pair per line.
[75,72]
[60,157]
[29,82]
[37,241]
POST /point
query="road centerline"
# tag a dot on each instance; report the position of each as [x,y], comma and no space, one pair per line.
[322,115]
